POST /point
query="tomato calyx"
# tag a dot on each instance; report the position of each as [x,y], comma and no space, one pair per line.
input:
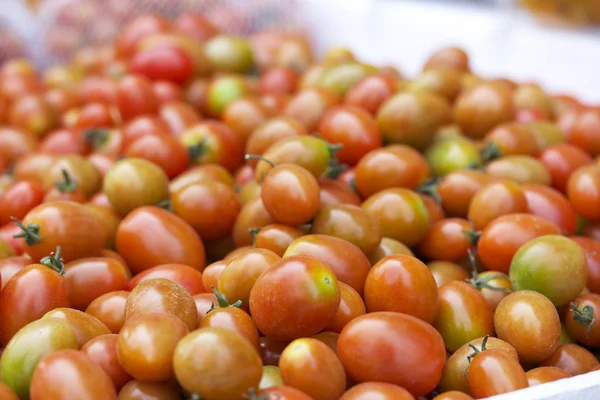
[54,261]
[476,351]
[472,236]
[197,149]
[30,232]
[335,169]
[256,157]
[222,301]
[429,188]
[165,205]
[352,185]
[67,184]
[491,152]
[254,233]
[479,282]
[96,137]
[583,316]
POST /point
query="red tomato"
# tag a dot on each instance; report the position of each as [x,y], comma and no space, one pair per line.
[165,151]
[379,390]
[110,309]
[163,63]
[585,133]
[135,97]
[494,372]
[7,234]
[351,306]
[186,276]
[583,190]
[10,266]
[167,92]
[591,247]
[102,350]
[19,199]
[552,205]
[371,92]
[137,30]
[561,160]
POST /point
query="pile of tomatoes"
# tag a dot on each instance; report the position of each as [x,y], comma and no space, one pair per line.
[186,214]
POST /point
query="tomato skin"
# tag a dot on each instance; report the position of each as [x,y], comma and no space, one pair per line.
[403,284]
[371,348]
[309,365]
[195,25]
[6,392]
[136,30]
[234,319]
[231,367]
[307,106]
[497,198]
[528,311]
[572,358]
[28,347]
[346,260]
[32,167]
[134,97]
[178,116]
[453,395]
[552,265]
[494,372]
[521,169]
[383,391]
[110,309]
[446,240]
[585,132]
[10,266]
[141,390]
[551,205]
[446,271]
[591,248]
[201,173]
[19,199]
[283,393]
[84,326]
[244,115]
[7,233]
[89,278]
[162,295]
[458,188]
[583,191]
[163,63]
[276,237]
[579,331]
[351,306]
[20,305]
[371,92]
[186,276]
[90,381]
[269,132]
[252,215]
[204,302]
[388,247]
[502,238]
[337,192]
[459,302]
[212,274]
[541,375]
[165,151]
[141,240]
[102,350]
[561,160]
[167,92]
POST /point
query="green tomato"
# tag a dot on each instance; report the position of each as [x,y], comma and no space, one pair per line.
[31,345]
[270,377]
[223,90]
[453,154]
[552,265]
[341,78]
[229,54]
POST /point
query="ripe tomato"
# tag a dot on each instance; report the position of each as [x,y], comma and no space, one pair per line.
[388,247]
[137,29]
[346,260]
[178,116]
[271,131]
[552,265]
[283,393]
[32,113]
[583,190]
[136,389]
[528,311]
[6,392]
[591,248]
[186,276]
[252,215]
[585,132]
[351,306]
[164,63]
[142,240]
[19,199]
[380,390]
[110,309]
[165,151]
[446,271]
[572,358]
[494,372]
[579,319]
[540,375]
[551,205]
[371,92]
[244,115]
[85,326]
[402,283]
[372,348]
[15,143]
[134,97]
[167,92]
[32,167]
[446,240]
[307,106]
[276,237]
[10,266]
[201,173]
[458,188]
[80,171]
[513,138]
[278,80]
[87,380]
[212,274]
[309,365]
[102,350]
[561,160]
[337,192]
[495,199]
[162,295]
[231,367]
[195,25]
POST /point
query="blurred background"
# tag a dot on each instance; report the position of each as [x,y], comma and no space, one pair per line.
[557,42]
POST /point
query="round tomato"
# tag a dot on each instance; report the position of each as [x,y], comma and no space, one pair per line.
[552,205]
[495,199]
[561,160]
[102,350]
[276,237]
[493,372]
[583,190]
[110,309]
[540,375]
[572,358]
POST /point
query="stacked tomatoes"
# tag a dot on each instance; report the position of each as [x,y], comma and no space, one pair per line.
[187,214]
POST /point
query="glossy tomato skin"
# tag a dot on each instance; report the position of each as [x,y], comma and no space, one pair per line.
[141,390]
[84,380]
[244,115]
[89,278]
[501,238]
[201,173]
[371,92]
[165,151]
[234,319]
[459,302]
[446,271]
[582,331]
[7,393]
[551,205]
[28,347]
[283,393]
[145,347]
[370,349]
[591,248]
[110,309]
[351,306]
[388,247]
[458,188]
[134,96]
[513,138]
[276,237]
[583,191]
[346,260]
[446,240]
[231,368]
[270,131]
[309,365]
[540,375]
[572,358]
[337,192]
[528,311]
[85,326]
[278,80]
[7,234]
[288,283]
[26,297]
[186,276]
[19,199]
[10,266]
[141,240]
[212,274]
[162,295]
[403,284]
[382,390]
[69,225]
[561,160]
[585,132]
[552,265]
[494,372]
[495,199]
[163,63]
[102,350]
[308,106]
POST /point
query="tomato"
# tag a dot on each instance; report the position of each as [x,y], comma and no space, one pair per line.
[497,198]
[145,348]
[583,190]
[223,90]
[241,273]
[229,53]
[28,347]
[351,306]
[162,295]
[458,188]
[137,29]
[561,160]
[276,237]
[388,167]
[61,142]
[412,284]
[460,302]
[552,205]
[591,248]
[528,311]
[141,390]
[231,367]
[10,266]
[278,80]
[84,326]
[445,271]
[513,138]
[19,199]
[195,25]
[270,350]
[142,240]
[32,167]
[6,392]
[164,63]
[165,151]
[401,214]
[134,97]
[86,380]
[167,92]
[82,173]
[200,173]
[244,115]
[502,237]
[133,183]
[446,240]
[371,92]
[89,278]
[585,132]
[453,395]
[7,233]
[482,107]
[453,374]
[388,247]
[452,154]
[110,309]
[96,89]
[372,348]
[109,219]
[493,372]
[252,215]
[186,276]
[271,131]
[412,118]
[337,192]
[212,274]
[32,113]
[140,127]
[309,365]
[540,375]
[522,169]
[572,358]
[579,319]
[309,105]
[453,58]
[381,390]
[102,350]
[346,260]
[552,265]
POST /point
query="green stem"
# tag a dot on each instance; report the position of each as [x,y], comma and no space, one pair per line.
[165,204]
[30,232]
[490,152]
[335,169]
[67,184]
[584,316]
[196,150]
[222,301]
[472,236]
[96,137]
[254,233]
[257,157]
[429,188]
[54,261]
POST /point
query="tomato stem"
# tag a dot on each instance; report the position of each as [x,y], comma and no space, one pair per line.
[222,301]
[254,233]
[257,157]
[335,169]
[429,188]
[479,282]
[165,204]
[30,232]
[583,316]
[472,236]
[197,149]
[490,152]
[54,261]
[67,184]
[352,185]
[96,137]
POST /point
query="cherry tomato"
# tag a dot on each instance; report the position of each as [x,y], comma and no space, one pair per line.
[584,133]
[388,247]
[579,319]
[244,115]
[10,266]
[151,236]
[276,237]
[142,126]
[110,309]
[309,105]
[337,192]
[134,96]
[252,215]
[551,205]
[85,326]
[141,390]
[591,248]
[201,173]
[495,199]
[561,160]
[351,306]
[445,271]
[381,390]
[32,113]
[572,358]
[61,142]
[494,372]
[371,92]
[452,154]
[15,143]
[271,131]
[32,167]
[521,169]
[7,393]
[453,395]
[513,138]
[456,190]
[109,219]
[453,58]
[372,348]
[195,25]
[583,190]
[186,276]
[167,92]
[19,199]
[165,151]
[540,375]
[102,350]
[163,64]
[212,274]
[446,240]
